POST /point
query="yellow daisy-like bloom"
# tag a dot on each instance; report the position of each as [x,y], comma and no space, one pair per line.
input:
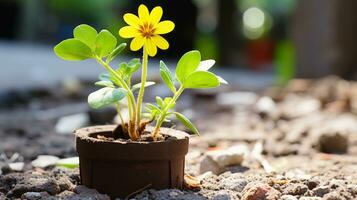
[146,29]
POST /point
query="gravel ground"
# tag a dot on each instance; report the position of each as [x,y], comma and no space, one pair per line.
[297,142]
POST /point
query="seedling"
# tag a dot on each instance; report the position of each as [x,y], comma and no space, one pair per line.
[116,85]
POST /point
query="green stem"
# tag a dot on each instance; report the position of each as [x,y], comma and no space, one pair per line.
[164,112]
[142,87]
[130,96]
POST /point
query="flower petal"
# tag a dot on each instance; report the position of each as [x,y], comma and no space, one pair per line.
[160,42]
[128,32]
[164,27]
[150,47]
[137,43]
[155,15]
[132,19]
[143,13]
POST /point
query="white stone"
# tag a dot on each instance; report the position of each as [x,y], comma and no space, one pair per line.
[44,161]
[266,105]
[67,124]
[17,166]
[288,197]
[217,161]
[236,99]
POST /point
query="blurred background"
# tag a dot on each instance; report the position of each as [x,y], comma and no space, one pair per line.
[268,41]
[256,43]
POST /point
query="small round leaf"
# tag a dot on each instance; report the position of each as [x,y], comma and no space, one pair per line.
[85,34]
[105,43]
[72,49]
[201,80]
[187,64]
[105,97]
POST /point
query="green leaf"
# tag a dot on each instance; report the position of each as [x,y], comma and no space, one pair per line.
[104,76]
[126,70]
[167,76]
[186,122]
[104,83]
[187,64]
[201,79]
[116,52]
[70,163]
[154,110]
[138,85]
[206,65]
[134,65]
[105,43]
[160,102]
[167,101]
[105,96]
[72,49]
[85,34]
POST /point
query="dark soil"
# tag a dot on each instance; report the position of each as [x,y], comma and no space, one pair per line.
[308,132]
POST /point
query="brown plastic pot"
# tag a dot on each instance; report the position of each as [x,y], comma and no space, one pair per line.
[120,169]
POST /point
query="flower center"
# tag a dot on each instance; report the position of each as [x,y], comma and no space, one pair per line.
[147,30]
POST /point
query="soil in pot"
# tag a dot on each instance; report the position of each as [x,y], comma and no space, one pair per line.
[120,167]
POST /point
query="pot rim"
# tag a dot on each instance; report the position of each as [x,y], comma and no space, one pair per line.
[97,149]
[86,132]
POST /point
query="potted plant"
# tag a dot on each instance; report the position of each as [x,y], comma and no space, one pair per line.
[123,159]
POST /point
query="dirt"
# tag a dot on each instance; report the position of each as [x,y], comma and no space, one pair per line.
[308,132]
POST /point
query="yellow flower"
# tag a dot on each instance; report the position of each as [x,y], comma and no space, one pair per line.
[146,29]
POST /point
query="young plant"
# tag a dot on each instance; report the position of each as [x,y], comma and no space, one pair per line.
[145,29]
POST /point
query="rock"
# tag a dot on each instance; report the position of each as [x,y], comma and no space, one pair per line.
[334,196]
[209,181]
[258,191]
[86,193]
[311,183]
[35,183]
[17,166]
[209,165]
[298,106]
[236,99]
[321,191]
[352,189]
[65,184]
[44,161]
[67,124]
[297,174]
[35,195]
[310,198]
[266,106]
[223,195]
[234,182]
[168,194]
[217,160]
[288,197]
[296,189]
[336,183]
[333,142]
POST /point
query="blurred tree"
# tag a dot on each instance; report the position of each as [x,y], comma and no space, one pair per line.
[345,44]
[325,36]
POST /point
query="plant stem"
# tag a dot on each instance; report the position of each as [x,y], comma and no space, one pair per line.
[130,96]
[164,112]
[142,87]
